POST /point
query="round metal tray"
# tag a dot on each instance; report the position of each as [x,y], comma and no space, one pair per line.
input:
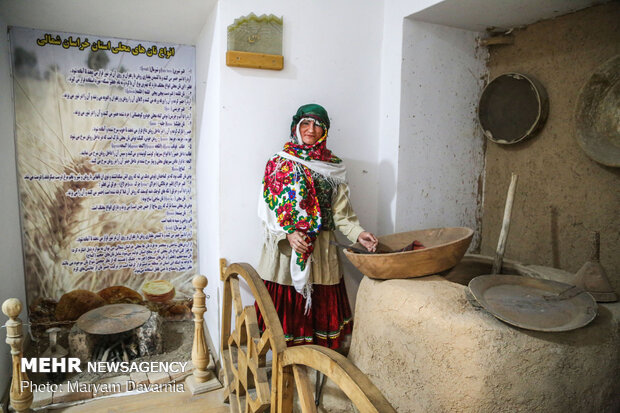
[114,318]
[598,114]
[534,304]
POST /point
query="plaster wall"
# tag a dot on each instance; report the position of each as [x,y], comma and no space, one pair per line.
[208,56]
[394,14]
[440,149]
[11,263]
[562,195]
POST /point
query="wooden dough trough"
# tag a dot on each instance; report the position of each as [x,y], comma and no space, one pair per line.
[444,248]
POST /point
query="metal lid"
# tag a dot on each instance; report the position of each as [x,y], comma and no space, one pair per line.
[534,304]
[598,114]
[114,318]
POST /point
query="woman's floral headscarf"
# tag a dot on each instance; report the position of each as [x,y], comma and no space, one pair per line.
[290,201]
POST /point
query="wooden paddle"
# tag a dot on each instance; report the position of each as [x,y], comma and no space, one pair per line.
[503,235]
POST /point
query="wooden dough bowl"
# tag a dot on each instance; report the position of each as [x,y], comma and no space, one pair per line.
[445,248]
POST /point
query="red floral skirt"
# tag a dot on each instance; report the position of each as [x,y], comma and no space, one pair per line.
[327,322]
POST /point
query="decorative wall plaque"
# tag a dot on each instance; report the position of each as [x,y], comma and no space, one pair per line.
[255,42]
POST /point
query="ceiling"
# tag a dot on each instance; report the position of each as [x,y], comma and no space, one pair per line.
[477,15]
[169,21]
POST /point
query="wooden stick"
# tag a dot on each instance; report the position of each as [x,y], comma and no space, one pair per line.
[503,235]
[20,396]
[497,40]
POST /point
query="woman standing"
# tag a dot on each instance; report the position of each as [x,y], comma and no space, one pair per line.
[305,198]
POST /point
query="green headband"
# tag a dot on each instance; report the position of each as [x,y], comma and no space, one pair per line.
[311,110]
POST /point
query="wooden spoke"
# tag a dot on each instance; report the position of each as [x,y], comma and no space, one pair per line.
[236,295]
[264,345]
[304,389]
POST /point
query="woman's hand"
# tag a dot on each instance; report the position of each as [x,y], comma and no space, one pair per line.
[298,242]
[368,240]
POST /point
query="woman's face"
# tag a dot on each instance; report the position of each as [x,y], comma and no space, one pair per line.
[310,132]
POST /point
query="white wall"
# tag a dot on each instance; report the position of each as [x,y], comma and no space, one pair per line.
[428,99]
[441,149]
[331,57]
[208,60]
[395,11]
[11,262]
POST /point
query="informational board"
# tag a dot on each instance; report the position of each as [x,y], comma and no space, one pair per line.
[105,156]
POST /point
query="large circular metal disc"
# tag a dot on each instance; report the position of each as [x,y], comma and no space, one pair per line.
[598,114]
[114,318]
[534,304]
[512,107]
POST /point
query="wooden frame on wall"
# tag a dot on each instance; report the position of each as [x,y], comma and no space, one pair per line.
[255,42]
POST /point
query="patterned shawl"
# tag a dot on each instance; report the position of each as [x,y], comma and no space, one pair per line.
[289,201]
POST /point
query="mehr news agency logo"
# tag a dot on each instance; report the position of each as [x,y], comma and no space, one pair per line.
[73,365]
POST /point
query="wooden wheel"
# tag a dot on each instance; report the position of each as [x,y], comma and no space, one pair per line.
[244,358]
[244,350]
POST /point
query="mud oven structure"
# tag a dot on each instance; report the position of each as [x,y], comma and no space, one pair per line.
[428,348]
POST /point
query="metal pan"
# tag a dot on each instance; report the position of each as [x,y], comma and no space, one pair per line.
[534,304]
[113,318]
[598,114]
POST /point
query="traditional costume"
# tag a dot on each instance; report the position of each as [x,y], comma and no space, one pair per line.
[304,189]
